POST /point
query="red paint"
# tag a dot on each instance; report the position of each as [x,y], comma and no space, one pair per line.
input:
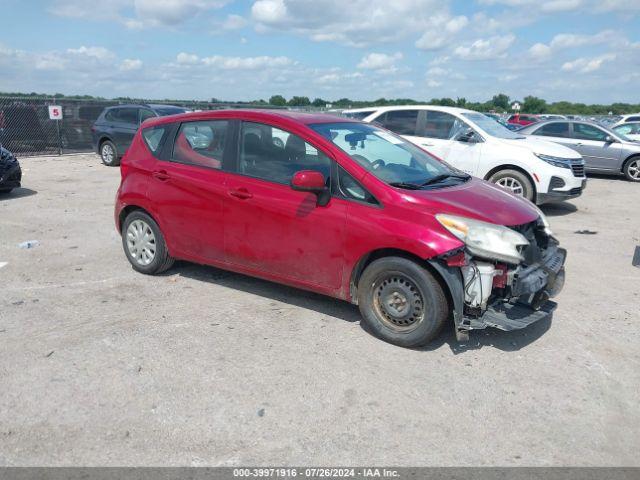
[308,181]
[523,120]
[500,279]
[270,230]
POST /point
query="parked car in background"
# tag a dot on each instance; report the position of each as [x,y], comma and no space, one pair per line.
[634,117]
[10,172]
[522,120]
[629,130]
[116,126]
[345,209]
[604,150]
[551,116]
[539,171]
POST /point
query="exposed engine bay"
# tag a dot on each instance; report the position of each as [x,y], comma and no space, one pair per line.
[505,295]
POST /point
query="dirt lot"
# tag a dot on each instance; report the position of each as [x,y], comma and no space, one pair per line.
[100,365]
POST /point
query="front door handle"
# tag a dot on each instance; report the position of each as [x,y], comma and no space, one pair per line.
[241,193]
[161,175]
[427,144]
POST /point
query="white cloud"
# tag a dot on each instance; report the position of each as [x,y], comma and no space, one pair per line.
[540,51]
[485,49]
[99,53]
[234,22]
[354,23]
[380,61]
[433,83]
[147,13]
[587,65]
[129,64]
[246,63]
[187,58]
[546,6]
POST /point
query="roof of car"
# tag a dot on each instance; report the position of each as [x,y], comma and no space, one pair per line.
[411,107]
[257,114]
[138,105]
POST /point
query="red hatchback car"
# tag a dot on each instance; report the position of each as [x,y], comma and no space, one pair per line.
[342,208]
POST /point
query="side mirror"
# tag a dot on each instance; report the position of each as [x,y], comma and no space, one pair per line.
[609,139]
[467,136]
[313,182]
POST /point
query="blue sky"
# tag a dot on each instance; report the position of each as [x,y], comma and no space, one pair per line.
[577,50]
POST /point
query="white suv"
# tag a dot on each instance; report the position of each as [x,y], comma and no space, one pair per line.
[540,171]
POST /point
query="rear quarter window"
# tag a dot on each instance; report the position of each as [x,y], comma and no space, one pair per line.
[154,137]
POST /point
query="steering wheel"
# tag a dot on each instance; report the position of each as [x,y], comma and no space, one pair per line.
[378,163]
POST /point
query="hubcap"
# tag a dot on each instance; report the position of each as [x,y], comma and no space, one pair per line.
[107,153]
[512,184]
[141,242]
[398,302]
[634,169]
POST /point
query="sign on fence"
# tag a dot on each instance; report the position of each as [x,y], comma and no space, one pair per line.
[55,112]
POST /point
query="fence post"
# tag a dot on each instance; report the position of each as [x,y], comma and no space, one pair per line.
[59,138]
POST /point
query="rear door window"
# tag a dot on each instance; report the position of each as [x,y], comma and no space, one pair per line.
[402,122]
[559,129]
[201,143]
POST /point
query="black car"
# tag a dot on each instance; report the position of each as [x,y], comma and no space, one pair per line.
[10,172]
[115,127]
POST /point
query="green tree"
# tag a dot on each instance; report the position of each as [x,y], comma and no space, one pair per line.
[533,104]
[278,101]
[318,102]
[299,101]
[501,101]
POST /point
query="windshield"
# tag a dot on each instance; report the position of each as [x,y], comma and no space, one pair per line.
[492,127]
[615,133]
[389,157]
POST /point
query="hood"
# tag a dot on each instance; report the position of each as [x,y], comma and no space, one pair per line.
[544,147]
[475,199]
[6,155]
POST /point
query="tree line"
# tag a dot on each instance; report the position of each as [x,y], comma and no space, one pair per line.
[499,103]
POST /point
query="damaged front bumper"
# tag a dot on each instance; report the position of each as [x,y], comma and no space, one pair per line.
[518,304]
[10,175]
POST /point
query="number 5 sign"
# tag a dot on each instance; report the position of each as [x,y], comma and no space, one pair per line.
[55,112]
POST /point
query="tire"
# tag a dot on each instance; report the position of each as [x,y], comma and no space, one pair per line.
[144,244]
[632,169]
[109,154]
[386,292]
[516,182]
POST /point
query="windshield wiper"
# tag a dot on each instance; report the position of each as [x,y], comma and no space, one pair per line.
[444,176]
[408,186]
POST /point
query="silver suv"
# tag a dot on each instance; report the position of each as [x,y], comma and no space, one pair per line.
[604,150]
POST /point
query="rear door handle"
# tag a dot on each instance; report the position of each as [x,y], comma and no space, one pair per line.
[241,193]
[161,175]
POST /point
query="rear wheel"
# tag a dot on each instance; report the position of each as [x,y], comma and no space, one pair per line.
[401,302]
[632,169]
[514,181]
[109,154]
[144,244]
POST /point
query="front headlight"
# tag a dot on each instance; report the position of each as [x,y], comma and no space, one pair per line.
[542,220]
[555,161]
[486,240]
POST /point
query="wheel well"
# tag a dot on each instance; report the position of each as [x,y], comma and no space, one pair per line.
[126,211]
[512,167]
[102,140]
[370,257]
[631,157]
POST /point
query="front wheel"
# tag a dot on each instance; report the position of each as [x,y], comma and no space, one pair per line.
[401,302]
[144,244]
[514,181]
[632,169]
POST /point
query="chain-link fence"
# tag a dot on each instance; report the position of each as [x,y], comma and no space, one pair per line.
[25,127]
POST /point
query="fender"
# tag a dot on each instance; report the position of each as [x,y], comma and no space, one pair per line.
[452,277]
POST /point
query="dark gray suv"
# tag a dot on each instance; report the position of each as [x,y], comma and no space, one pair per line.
[114,129]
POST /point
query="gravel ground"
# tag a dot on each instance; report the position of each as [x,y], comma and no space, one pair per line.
[100,365]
